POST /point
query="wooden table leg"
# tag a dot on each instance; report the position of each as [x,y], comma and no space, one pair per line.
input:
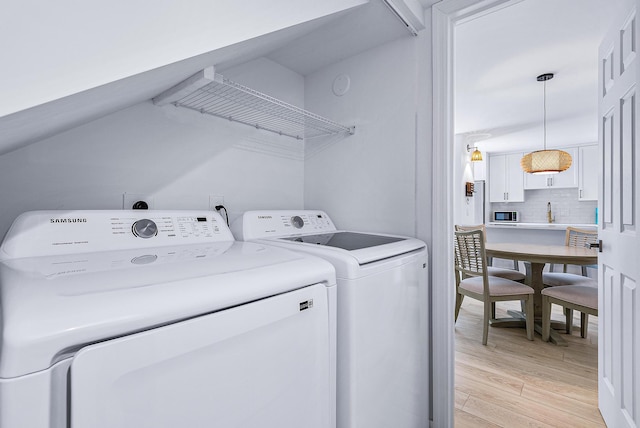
[534,280]
[554,336]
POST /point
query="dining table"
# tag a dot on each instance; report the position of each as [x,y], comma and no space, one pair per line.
[535,257]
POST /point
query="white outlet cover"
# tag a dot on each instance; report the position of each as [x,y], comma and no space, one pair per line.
[215,200]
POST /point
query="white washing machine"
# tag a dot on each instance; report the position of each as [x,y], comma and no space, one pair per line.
[154,319]
[383,335]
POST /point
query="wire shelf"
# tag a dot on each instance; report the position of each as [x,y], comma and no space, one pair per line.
[224,98]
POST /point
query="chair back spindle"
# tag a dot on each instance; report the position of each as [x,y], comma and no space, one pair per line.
[575,237]
[470,252]
[578,237]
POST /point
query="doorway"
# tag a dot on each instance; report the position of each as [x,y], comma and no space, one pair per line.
[446,15]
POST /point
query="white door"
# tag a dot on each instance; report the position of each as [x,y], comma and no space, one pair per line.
[619,297]
[266,364]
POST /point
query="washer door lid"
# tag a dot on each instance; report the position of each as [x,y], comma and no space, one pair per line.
[266,363]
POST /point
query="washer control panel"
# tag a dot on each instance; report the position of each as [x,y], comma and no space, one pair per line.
[262,224]
[39,233]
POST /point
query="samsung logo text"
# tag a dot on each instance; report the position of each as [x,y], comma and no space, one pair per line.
[68,220]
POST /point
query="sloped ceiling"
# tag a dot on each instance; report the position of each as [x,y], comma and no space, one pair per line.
[354,32]
[498,57]
[303,48]
[27,126]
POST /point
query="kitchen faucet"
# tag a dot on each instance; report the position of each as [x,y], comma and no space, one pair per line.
[549,217]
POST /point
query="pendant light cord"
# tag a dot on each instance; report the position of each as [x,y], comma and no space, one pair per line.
[544,113]
[545,161]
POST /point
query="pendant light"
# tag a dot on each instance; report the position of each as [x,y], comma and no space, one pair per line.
[545,161]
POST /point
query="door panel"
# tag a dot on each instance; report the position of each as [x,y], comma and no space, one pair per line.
[619,300]
[627,143]
[628,42]
[607,150]
[606,328]
[629,342]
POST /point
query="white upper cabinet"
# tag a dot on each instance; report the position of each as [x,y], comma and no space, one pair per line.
[565,179]
[506,178]
[588,167]
[480,169]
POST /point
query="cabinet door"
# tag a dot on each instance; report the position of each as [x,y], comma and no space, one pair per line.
[588,173]
[536,181]
[568,178]
[497,192]
[514,178]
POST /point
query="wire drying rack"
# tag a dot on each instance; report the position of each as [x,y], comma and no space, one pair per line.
[213,94]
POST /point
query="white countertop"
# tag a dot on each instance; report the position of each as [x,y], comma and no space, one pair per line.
[546,226]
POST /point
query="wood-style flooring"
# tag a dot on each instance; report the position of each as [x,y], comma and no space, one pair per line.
[513,382]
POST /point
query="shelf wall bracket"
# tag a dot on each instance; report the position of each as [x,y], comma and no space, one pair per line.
[186,87]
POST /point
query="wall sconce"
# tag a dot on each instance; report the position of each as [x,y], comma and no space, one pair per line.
[468,189]
[476,156]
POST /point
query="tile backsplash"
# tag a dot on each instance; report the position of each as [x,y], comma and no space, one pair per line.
[565,207]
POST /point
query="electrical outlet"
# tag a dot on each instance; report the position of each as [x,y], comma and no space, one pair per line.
[214,201]
[130,199]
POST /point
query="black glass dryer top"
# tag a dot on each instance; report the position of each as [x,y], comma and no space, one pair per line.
[345,240]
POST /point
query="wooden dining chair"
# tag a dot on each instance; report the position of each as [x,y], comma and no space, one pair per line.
[574,237]
[473,280]
[512,274]
[582,298]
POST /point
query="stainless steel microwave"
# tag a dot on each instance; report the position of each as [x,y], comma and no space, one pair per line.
[505,216]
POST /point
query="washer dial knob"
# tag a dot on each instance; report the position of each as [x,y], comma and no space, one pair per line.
[297,222]
[144,228]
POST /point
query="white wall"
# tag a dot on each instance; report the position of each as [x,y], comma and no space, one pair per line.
[64,47]
[175,156]
[367,181]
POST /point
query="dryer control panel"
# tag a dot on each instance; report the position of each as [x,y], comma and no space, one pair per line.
[47,233]
[277,223]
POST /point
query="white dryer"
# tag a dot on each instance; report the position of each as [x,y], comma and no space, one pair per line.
[158,319]
[383,301]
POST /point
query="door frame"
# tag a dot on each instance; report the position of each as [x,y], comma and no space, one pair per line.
[445,16]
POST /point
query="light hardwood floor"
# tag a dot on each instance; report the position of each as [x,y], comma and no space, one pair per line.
[513,382]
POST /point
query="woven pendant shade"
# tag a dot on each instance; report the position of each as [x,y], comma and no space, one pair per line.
[546,162]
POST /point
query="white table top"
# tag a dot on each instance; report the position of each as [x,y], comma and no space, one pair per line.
[543,253]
